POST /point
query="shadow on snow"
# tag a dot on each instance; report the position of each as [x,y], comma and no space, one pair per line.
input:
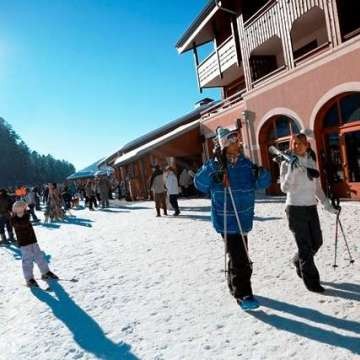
[16,252]
[113,211]
[86,331]
[312,332]
[343,290]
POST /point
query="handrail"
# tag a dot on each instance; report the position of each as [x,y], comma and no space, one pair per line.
[312,52]
[214,52]
[351,34]
[260,12]
[270,74]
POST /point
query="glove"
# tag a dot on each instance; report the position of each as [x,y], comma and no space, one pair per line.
[218,176]
[328,207]
[294,162]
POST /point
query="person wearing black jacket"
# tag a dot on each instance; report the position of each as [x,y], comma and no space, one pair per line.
[30,250]
[5,211]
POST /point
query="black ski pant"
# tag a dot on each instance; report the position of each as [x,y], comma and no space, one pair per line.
[5,222]
[305,225]
[239,268]
[92,202]
[174,203]
[32,212]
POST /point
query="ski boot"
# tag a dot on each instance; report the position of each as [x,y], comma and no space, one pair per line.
[32,283]
[49,276]
[248,303]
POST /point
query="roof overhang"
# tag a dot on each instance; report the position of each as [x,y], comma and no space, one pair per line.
[200,31]
[146,148]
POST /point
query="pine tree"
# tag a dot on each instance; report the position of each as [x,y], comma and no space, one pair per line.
[21,166]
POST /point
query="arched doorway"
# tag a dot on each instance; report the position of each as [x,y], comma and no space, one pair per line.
[337,130]
[277,131]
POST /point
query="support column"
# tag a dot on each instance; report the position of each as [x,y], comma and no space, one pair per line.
[244,52]
[285,28]
[248,120]
[196,63]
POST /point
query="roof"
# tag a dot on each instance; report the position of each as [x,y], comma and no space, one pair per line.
[87,172]
[168,127]
[199,23]
[145,148]
[195,114]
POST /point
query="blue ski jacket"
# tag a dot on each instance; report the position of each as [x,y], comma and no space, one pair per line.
[243,183]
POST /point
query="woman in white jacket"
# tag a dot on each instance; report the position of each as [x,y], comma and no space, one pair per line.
[172,187]
[300,181]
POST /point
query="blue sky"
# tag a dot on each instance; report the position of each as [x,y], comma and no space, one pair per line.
[79,78]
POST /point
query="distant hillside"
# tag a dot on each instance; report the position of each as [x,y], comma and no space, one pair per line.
[21,166]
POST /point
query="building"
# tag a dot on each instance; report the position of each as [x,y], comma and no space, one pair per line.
[178,143]
[284,66]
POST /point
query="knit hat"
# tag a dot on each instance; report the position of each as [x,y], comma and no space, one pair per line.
[225,137]
[19,204]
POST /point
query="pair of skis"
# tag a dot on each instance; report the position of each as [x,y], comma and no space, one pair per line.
[48,282]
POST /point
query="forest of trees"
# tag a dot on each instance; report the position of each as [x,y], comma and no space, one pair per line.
[21,166]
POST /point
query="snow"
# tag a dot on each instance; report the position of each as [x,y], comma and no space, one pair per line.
[154,288]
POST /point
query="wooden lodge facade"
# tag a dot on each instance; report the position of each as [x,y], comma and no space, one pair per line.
[178,143]
[284,66]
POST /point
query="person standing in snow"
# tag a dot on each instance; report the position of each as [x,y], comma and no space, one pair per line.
[53,205]
[5,211]
[30,199]
[90,191]
[30,250]
[172,187]
[300,181]
[231,169]
[185,181]
[157,186]
[104,189]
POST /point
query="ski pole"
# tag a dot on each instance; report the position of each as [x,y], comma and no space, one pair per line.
[239,223]
[225,234]
[336,239]
[346,243]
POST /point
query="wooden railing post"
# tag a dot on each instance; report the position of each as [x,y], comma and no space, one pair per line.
[285,29]
[333,16]
[244,47]
[216,48]
[235,35]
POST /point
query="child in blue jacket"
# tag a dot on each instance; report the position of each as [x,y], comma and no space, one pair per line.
[243,177]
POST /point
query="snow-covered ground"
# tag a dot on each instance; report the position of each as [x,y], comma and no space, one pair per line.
[154,288]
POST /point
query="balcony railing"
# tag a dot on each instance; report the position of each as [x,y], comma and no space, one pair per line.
[209,69]
[224,105]
[275,18]
[263,25]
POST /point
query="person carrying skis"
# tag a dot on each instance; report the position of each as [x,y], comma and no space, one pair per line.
[299,179]
[231,176]
[30,250]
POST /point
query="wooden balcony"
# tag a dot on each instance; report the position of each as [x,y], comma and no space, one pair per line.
[220,67]
[276,19]
[223,105]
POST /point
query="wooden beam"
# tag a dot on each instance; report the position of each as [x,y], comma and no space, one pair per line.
[217,51]
[196,62]
[235,35]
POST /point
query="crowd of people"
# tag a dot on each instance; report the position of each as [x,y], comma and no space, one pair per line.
[228,178]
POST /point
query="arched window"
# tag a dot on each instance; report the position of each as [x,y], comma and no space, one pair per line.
[338,141]
[277,131]
[343,110]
